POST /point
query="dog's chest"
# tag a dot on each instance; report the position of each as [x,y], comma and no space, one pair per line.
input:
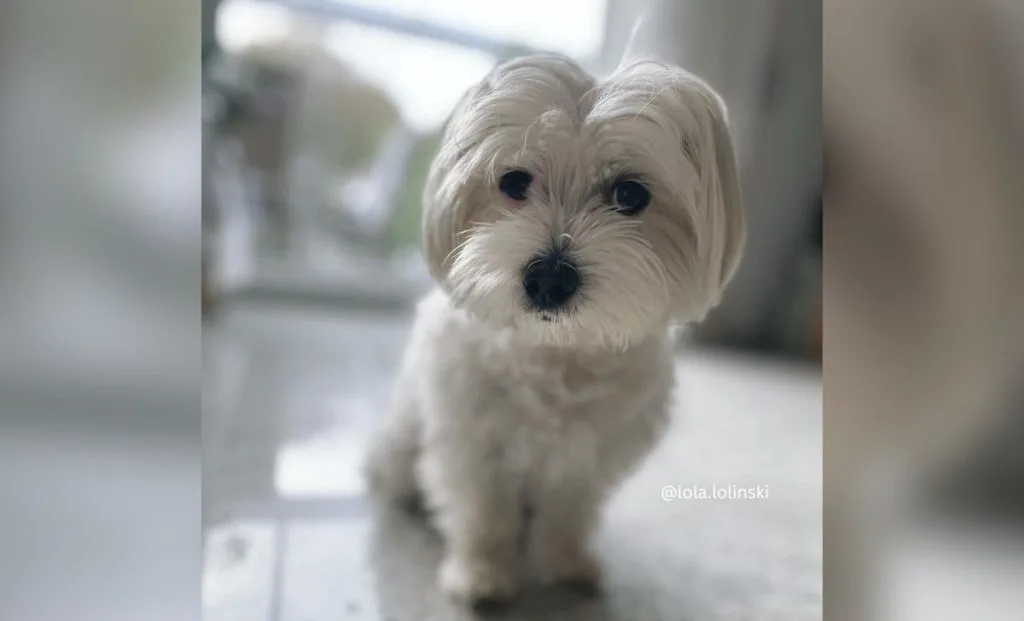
[559,393]
[566,413]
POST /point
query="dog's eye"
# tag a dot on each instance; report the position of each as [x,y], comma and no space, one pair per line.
[630,197]
[515,183]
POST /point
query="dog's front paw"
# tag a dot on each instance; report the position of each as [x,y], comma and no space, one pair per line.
[480,582]
[574,569]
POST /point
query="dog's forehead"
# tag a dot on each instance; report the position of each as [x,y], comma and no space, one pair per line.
[560,90]
[537,83]
[547,114]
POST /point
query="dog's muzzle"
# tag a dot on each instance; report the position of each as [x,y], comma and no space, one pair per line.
[550,281]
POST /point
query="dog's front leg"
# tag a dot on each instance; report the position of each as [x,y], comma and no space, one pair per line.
[566,514]
[478,512]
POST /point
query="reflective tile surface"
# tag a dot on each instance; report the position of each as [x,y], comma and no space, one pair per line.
[289,400]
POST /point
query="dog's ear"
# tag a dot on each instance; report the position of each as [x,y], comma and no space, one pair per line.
[445,203]
[724,197]
[438,214]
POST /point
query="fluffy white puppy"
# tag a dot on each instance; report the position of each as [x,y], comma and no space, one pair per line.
[569,224]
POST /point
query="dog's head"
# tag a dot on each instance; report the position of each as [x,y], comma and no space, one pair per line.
[585,212]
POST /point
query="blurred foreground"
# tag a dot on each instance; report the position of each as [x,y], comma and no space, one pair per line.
[924,284]
[99,299]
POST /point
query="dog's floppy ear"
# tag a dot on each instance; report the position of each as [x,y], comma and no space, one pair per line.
[725,200]
[445,204]
[439,213]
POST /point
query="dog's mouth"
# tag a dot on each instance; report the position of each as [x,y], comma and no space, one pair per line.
[548,316]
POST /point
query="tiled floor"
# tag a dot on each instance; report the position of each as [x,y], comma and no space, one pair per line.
[291,537]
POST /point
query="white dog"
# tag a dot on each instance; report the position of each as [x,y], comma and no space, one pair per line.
[569,224]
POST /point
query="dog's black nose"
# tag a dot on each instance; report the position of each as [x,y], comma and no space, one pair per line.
[550,281]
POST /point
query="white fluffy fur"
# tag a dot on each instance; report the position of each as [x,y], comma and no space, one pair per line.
[497,411]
